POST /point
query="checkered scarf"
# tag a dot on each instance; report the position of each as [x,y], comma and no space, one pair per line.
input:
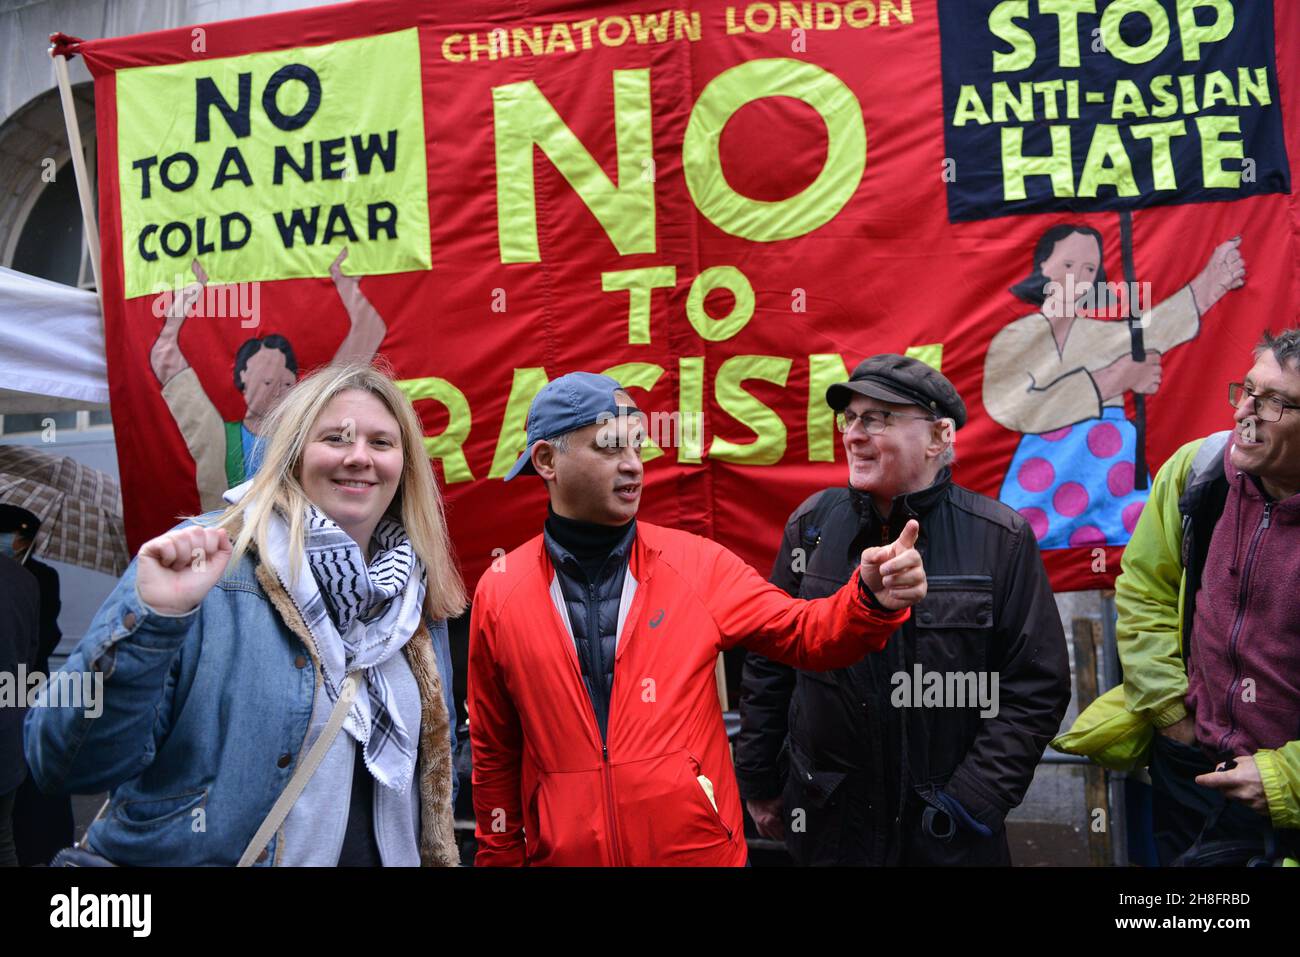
[360,616]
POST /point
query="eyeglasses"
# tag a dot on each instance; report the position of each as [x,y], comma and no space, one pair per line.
[874,421]
[1269,407]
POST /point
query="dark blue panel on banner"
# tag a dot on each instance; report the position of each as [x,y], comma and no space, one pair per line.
[1088,105]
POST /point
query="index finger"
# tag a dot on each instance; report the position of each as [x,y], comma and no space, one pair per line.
[902,562]
[161,549]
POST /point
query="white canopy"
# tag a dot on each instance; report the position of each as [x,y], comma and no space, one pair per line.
[51,346]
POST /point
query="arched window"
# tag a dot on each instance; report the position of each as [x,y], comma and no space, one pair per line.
[40,225]
[50,243]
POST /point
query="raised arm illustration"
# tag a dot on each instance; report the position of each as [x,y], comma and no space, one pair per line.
[1055,367]
[226,453]
[1060,377]
[368,327]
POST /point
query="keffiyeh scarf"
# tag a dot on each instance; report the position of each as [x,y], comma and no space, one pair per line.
[360,615]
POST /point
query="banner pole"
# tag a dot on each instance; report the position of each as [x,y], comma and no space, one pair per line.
[89,226]
[1139,352]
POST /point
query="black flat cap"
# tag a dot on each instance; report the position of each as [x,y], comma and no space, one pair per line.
[894,378]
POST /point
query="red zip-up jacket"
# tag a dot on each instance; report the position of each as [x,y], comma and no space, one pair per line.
[661,790]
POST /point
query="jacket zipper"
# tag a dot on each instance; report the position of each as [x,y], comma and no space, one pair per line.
[606,771]
[607,783]
[1237,626]
[615,842]
[595,662]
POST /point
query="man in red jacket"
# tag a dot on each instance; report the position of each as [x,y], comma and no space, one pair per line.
[594,718]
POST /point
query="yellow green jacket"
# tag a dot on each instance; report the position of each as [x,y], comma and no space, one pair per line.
[1151,598]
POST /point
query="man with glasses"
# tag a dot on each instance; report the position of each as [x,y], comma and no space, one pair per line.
[1209,626]
[916,754]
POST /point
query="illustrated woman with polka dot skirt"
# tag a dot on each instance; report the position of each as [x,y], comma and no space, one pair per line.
[1060,377]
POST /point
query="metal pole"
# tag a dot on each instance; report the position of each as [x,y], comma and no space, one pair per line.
[1139,349]
[89,226]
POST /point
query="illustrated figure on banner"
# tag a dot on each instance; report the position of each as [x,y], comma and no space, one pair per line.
[265,368]
[1059,377]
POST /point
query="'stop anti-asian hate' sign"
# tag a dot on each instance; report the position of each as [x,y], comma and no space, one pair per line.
[1108,104]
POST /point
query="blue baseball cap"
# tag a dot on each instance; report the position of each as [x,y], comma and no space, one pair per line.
[570,402]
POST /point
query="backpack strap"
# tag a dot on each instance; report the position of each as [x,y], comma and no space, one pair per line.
[1207,464]
[1205,489]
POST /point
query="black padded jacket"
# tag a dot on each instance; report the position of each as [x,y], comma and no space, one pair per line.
[592,585]
[857,761]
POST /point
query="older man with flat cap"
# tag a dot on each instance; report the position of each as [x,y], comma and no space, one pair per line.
[594,718]
[916,754]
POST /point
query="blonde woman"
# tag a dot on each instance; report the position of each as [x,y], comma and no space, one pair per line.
[276,676]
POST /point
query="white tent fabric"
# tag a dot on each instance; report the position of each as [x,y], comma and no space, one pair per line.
[51,346]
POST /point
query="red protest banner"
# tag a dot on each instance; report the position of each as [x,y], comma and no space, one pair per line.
[726,205]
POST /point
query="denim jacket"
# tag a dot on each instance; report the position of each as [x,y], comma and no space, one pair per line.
[204,718]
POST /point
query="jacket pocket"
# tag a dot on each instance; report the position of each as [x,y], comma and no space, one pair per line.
[933,838]
[151,812]
[706,789]
[957,601]
[954,623]
[818,818]
[814,585]
[566,820]
[665,815]
[816,786]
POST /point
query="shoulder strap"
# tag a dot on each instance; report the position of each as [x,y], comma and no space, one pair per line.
[302,774]
[1200,503]
[81,845]
[1207,456]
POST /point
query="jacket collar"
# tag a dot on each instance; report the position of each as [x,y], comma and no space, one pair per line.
[642,554]
[618,553]
[906,506]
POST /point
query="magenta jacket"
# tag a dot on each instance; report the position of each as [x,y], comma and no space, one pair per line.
[1244,669]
